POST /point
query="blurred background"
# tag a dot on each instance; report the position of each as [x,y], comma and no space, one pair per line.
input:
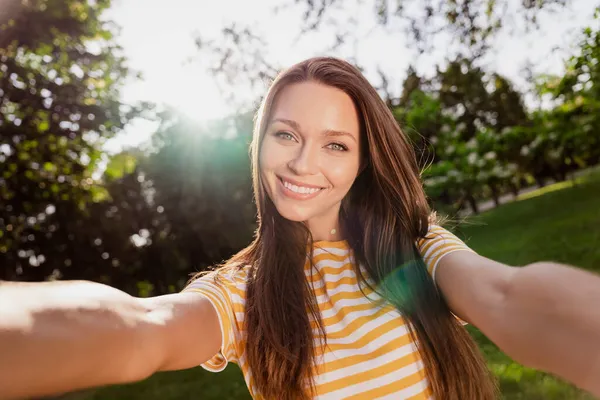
[124,131]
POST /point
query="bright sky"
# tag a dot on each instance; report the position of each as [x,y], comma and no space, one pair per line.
[158,39]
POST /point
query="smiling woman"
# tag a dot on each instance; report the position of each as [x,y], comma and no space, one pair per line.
[310,152]
[348,290]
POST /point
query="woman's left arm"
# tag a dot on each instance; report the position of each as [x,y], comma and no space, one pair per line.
[544,315]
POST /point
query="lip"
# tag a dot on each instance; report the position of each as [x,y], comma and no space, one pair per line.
[297,196]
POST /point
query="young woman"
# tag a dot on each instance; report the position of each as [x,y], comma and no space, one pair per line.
[349,289]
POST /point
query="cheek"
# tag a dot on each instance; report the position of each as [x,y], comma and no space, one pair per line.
[271,155]
[342,174]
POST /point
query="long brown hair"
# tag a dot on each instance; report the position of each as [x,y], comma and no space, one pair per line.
[382,217]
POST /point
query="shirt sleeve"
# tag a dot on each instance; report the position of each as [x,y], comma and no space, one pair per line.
[220,295]
[438,243]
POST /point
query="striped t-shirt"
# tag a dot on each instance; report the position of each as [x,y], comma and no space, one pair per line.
[369,354]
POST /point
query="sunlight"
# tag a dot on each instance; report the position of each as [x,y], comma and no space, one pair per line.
[187,89]
[195,95]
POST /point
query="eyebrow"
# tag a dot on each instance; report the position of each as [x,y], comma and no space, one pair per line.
[327,132]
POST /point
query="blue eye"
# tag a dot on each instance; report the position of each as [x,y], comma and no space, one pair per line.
[284,135]
[338,147]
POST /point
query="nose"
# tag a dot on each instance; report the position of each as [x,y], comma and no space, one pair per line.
[305,161]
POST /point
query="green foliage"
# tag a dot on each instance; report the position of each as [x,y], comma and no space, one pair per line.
[119,165]
[60,76]
[455,121]
[472,23]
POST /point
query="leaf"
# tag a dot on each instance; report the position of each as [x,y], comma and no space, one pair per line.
[119,165]
[43,126]
[99,194]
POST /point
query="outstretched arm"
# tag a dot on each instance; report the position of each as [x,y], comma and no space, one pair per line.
[543,315]
[62,336]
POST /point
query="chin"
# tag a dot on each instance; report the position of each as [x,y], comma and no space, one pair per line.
[292,213]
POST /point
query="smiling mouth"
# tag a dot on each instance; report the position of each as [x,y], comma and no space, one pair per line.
[299,189]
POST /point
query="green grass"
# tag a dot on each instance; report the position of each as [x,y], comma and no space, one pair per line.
[560,222]
[190,384]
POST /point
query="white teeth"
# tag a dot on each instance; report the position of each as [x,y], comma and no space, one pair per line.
[300,189]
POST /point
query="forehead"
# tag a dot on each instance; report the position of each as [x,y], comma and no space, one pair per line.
[316,107]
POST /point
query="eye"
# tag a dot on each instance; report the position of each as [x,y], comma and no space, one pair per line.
[284,135]
[337,147]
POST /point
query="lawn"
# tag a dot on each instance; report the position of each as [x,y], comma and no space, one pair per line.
[559,223]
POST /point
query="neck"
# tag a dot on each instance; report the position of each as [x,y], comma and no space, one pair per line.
[326,226]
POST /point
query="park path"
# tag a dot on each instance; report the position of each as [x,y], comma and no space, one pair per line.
[509,197]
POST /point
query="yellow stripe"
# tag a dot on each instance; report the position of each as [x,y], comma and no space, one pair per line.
[446,249]
[366,339]
[237,291]
[344,311]
[392,387]
[429,243]
[342,296]
[327,245]
[364,376]
[221,308]
[334,285]
[359,321]
[330,271]
[424,395]
[359,358]
[330,257]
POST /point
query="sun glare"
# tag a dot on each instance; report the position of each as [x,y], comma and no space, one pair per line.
[194,95]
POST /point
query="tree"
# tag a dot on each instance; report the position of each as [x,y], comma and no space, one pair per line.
[455,120]
[60,76]
[573,123]
[470,24]
[466,29]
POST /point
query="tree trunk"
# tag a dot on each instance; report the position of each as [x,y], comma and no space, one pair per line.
[514,189]
[472,202]
[562,174]
[495,194]
[541,182]
[445,197]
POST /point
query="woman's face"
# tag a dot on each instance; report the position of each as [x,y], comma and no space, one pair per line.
[310,153]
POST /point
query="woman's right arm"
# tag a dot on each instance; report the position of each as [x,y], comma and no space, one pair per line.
[57,337]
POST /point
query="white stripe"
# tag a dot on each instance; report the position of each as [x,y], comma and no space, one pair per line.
[213,290]
[330,250]
[348,306]
[365,329]
[341,305]
[376,343]
[348,319]
[413,390]
[237,299]
[441,252]
[366,365]
[341,265]
[324,298]
[374,383]
[348,273]
[436,245]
